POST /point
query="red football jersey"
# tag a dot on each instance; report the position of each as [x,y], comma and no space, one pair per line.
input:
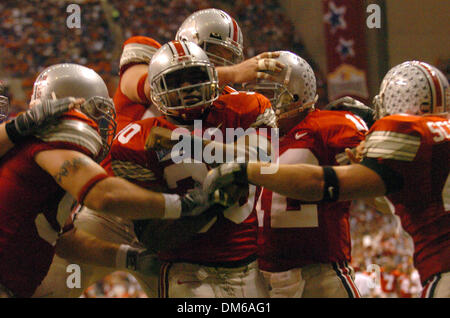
[389,281]
[418,148]
[294,233]
[128,111]
[236,109]
[232,237]
[26,191]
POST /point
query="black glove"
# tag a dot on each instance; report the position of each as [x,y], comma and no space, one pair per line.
[142,261]
[356,107]
[29,122]
[194,202]
[197,201]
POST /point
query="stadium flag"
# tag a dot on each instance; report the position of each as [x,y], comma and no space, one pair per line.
[344,26]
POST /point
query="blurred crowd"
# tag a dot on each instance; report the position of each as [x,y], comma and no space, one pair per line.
[378,240]
[35,34]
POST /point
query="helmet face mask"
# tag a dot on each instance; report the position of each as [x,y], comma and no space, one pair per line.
[223,53]
[414,88]
[73,80]
[215,32]
[102,111]
[4,103]
[182,86]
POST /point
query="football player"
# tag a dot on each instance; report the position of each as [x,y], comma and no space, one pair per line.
[32,120]
[36,173]
[304,249]
[220,36]
[406,153]
[133,102]
[184,87]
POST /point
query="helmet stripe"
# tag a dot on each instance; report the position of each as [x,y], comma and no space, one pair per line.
[179,48]
[235,30]
[435,86]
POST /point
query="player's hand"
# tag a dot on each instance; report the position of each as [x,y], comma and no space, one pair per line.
[164,138]
[142,261]
[43,112]
[266,119]
[356,107]
[228,195]
[196,201]
[355,155]
[255,67]
[224,175]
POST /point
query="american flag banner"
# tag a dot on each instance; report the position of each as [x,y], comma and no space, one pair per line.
[344,26]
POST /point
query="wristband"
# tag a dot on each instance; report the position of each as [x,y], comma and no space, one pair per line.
[13,133]
[121,256]
[172,208]
[89,185]
[331,186]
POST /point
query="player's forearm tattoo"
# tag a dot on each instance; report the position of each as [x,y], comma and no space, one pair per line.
[69,166]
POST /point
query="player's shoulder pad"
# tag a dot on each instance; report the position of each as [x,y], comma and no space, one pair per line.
[401,123]
[74,128]
[137,50]
[145,40]
[396,137]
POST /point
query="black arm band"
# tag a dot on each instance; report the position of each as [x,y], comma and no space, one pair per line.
[12,132]
[331,186]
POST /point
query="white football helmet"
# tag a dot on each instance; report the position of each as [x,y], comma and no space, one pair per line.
[4,104]
[414,88]
[294,88]
[74,80]
[183,81]
[211,27]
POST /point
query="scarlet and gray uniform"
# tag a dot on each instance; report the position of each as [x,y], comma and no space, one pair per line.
[107,227]
[229,245]
[26,191]
[412,155]
[304,245]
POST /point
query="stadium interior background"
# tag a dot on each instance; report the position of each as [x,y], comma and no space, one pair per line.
[33,35]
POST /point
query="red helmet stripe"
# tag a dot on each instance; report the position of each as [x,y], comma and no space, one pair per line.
[235,30]
[437,91]
[179,47]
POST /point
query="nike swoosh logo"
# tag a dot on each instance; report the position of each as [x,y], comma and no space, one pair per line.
[298,136]
[331,191]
